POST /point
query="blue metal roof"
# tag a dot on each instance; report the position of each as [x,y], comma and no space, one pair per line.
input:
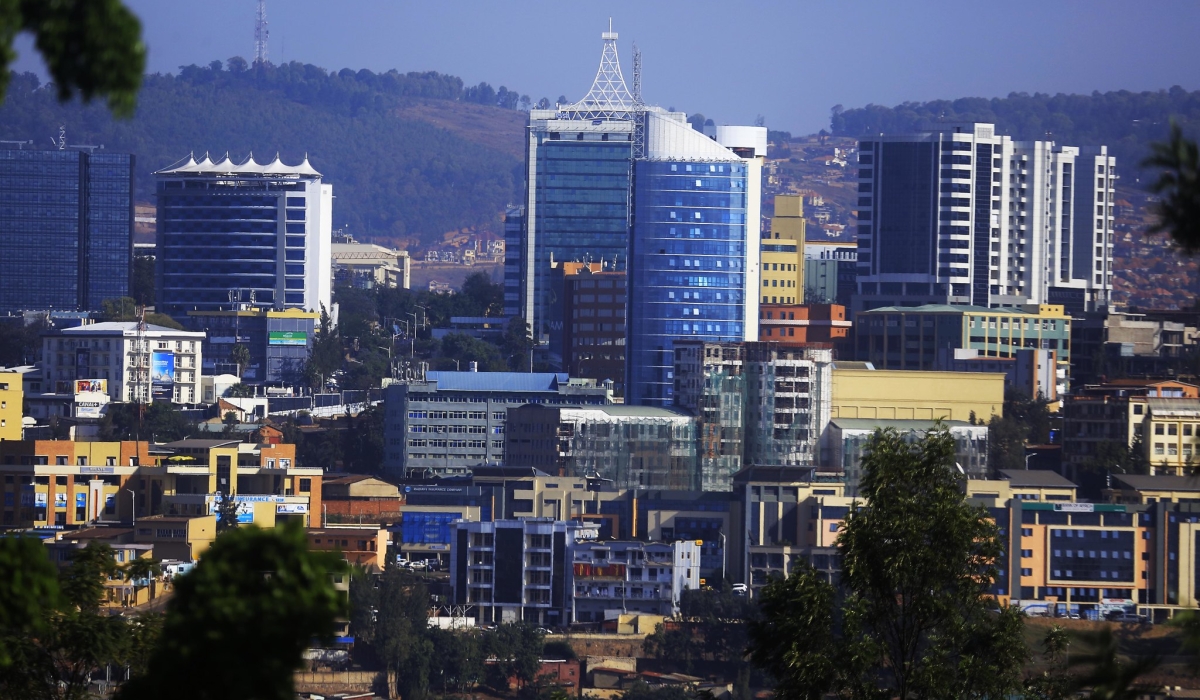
[497,381]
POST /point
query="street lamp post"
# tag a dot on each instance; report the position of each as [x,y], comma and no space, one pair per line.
[1030,456]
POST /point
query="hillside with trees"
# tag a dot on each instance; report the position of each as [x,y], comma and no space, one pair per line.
[405,153]
[1127,122]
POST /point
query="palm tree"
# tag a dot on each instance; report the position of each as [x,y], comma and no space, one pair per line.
[139,570]
[240,355]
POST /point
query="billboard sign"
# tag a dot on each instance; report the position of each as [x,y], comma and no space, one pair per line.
[291,508]
[91,386]
[162,375]
[287,338]
[90,397]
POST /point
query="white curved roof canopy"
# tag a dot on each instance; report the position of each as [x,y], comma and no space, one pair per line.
[226,166]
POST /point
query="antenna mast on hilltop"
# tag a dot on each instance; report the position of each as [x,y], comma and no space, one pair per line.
[260,33]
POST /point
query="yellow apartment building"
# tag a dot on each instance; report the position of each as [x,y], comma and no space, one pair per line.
[861,392]
[11,398]
[783,253]
[1170,429]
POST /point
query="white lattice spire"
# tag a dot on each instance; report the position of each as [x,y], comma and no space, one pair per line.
[609,98]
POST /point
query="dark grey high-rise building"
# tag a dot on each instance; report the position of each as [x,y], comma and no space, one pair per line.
[66,228]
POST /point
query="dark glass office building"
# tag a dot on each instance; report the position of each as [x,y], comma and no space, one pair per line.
[578,210]
[243,233]
[66,228]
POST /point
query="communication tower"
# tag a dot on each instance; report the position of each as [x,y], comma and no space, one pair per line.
[260,33]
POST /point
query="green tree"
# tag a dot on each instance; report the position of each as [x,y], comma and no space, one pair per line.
[517,647]
[677,646]
[517,344]
[239,622]
[140,571]
[141,280]
[240,355]
[75,640]
[240,390]
[1178,186]
[227,513]
[401,634]
[327,355]
[28,589]
[911,615]
[486,296]
[91,47]
[460,659]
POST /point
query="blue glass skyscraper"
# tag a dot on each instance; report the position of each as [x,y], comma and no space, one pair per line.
[690,252]
[66,228]
[612,180]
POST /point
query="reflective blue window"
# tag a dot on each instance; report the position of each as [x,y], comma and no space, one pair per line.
[685,281]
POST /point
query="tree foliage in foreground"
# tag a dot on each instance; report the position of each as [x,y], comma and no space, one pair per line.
[910,615]
[92,48]
[1178,185]
[239,622]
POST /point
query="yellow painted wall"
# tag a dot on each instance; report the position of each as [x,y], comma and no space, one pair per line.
[783,273]
[11,398]
[906,394]
[782,277]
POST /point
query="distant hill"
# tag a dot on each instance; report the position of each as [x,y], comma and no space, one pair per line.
[1126,122]
[410,156]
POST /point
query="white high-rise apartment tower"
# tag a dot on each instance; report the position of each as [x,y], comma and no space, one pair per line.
[961,215]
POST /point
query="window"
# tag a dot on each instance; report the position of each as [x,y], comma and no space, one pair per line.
[305,485]
[1026,553]
[1158,428]
[1026,532]
[1027,572]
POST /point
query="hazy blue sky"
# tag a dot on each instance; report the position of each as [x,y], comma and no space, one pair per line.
[787,60]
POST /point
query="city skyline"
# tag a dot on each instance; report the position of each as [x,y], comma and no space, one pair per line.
[790,72]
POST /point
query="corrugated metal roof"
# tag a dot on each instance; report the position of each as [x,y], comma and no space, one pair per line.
[497,381]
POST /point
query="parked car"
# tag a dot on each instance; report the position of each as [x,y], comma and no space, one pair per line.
[1127,617]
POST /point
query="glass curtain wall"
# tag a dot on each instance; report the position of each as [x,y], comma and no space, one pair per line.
[582,196]
[687,276]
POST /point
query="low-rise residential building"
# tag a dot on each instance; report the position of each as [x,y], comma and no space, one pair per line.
[1170,431]
[552,572]
[360,546]
[630,576]
[1097,418]
[447,422]
[119,592]
[181,537]
[136,364]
